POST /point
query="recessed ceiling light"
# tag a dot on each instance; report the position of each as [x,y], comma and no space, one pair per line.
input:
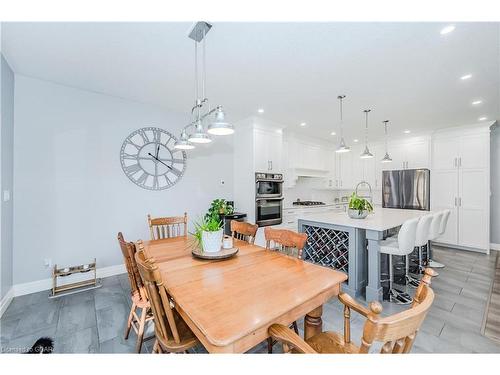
[467,76]
[355,140]
[448,29]
[260,110]
[482,118]
[476,102]
[303,124]
[407,131]
[333,133]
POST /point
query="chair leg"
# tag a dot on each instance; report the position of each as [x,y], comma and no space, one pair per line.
[270,345]
[129,321]
[295,327]
[391,273]
[140,334]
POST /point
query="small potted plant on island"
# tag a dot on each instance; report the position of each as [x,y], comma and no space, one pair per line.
[359,207]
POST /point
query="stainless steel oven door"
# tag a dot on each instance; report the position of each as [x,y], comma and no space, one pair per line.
[268,211]
[268,189]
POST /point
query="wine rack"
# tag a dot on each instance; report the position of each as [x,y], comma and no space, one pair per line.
[327,247]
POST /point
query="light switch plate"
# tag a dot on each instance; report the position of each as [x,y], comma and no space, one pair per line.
[6,195]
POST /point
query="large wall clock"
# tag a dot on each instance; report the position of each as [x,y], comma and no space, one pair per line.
[149,159]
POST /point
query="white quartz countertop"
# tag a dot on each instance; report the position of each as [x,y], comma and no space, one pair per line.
[379,220]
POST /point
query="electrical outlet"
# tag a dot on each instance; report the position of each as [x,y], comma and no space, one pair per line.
[47,262]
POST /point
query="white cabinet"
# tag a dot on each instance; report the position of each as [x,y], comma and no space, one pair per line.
[309,156]
[268,145]
[460,182]
[409,154]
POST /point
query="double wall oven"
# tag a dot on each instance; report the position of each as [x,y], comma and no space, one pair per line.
[268,198]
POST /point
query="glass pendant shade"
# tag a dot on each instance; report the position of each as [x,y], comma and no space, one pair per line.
[183,143]
[199,135]
[386,159]
[366,154]
[343,147]
[220,126]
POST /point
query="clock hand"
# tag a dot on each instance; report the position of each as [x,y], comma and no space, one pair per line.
[154,157]
[157,151]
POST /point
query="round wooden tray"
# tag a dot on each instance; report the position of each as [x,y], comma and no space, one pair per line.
[222,254]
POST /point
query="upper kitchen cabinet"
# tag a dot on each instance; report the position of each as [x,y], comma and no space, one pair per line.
[268,145]
[460,182]
[413,153]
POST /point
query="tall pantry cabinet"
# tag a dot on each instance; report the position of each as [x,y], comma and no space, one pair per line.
[460,181]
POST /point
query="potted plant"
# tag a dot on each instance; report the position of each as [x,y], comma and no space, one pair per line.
[208,233]
[219,207]
[359,207]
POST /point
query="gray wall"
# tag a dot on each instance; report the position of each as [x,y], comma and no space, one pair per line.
[495,185]
[7,142]
[69,184]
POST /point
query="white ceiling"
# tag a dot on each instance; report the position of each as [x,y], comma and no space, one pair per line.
[405,72]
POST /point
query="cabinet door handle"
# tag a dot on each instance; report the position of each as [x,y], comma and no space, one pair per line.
[460,202]
[460,162]
[455,201]
[455,162]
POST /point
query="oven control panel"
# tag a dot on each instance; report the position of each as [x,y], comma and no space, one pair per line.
[269,176]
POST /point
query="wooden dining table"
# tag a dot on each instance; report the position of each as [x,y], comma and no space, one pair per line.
[230,304]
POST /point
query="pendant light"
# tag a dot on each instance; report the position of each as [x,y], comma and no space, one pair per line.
[219,126]
[342,146]
[366,153]
[387,158]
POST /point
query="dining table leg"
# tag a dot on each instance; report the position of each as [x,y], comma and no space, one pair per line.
[313,324]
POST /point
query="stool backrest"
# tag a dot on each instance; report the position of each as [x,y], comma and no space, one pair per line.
[423,228]
[435,225]
[406,236]
[444,222]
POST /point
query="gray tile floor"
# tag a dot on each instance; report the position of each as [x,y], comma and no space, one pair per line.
[94,321]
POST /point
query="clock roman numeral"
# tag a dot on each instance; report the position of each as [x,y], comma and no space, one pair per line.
[176,171]
[132,169]
[134,144]
[142,179]
[143,135]
[156,136]
[129,156]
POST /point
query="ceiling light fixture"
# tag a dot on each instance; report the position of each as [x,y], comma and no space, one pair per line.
[342,146]
[465,77]
[303,124]
[260,110]
[355,140]
[407,131]
[448,29]
[366,153]
[476,102]
[387,158]
[219,126]
[483,118]
[333,133]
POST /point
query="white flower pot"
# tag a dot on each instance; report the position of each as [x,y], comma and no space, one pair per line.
[212,241]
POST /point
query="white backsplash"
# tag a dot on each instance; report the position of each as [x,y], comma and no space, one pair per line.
[306,190]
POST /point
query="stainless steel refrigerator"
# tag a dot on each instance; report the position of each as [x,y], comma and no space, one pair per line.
[407,188]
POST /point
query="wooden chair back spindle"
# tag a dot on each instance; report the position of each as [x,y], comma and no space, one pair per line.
[244,231]
[285,241]
[164,314]
[168,227]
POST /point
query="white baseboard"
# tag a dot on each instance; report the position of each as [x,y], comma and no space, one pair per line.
[45,284]
[6,300]
[495,246]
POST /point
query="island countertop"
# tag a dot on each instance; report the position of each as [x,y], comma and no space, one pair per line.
[380,219]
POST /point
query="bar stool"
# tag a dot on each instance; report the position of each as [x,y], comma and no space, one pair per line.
[434,233]
[442,229]
[421,240]
[402,246]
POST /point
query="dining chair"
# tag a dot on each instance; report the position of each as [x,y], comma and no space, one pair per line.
[137,294]
[172,333]
[167,227]
[396,332]
[290,243]
[285,241]
[244,231]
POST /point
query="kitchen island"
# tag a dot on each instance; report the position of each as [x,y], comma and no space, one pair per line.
[352,245]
